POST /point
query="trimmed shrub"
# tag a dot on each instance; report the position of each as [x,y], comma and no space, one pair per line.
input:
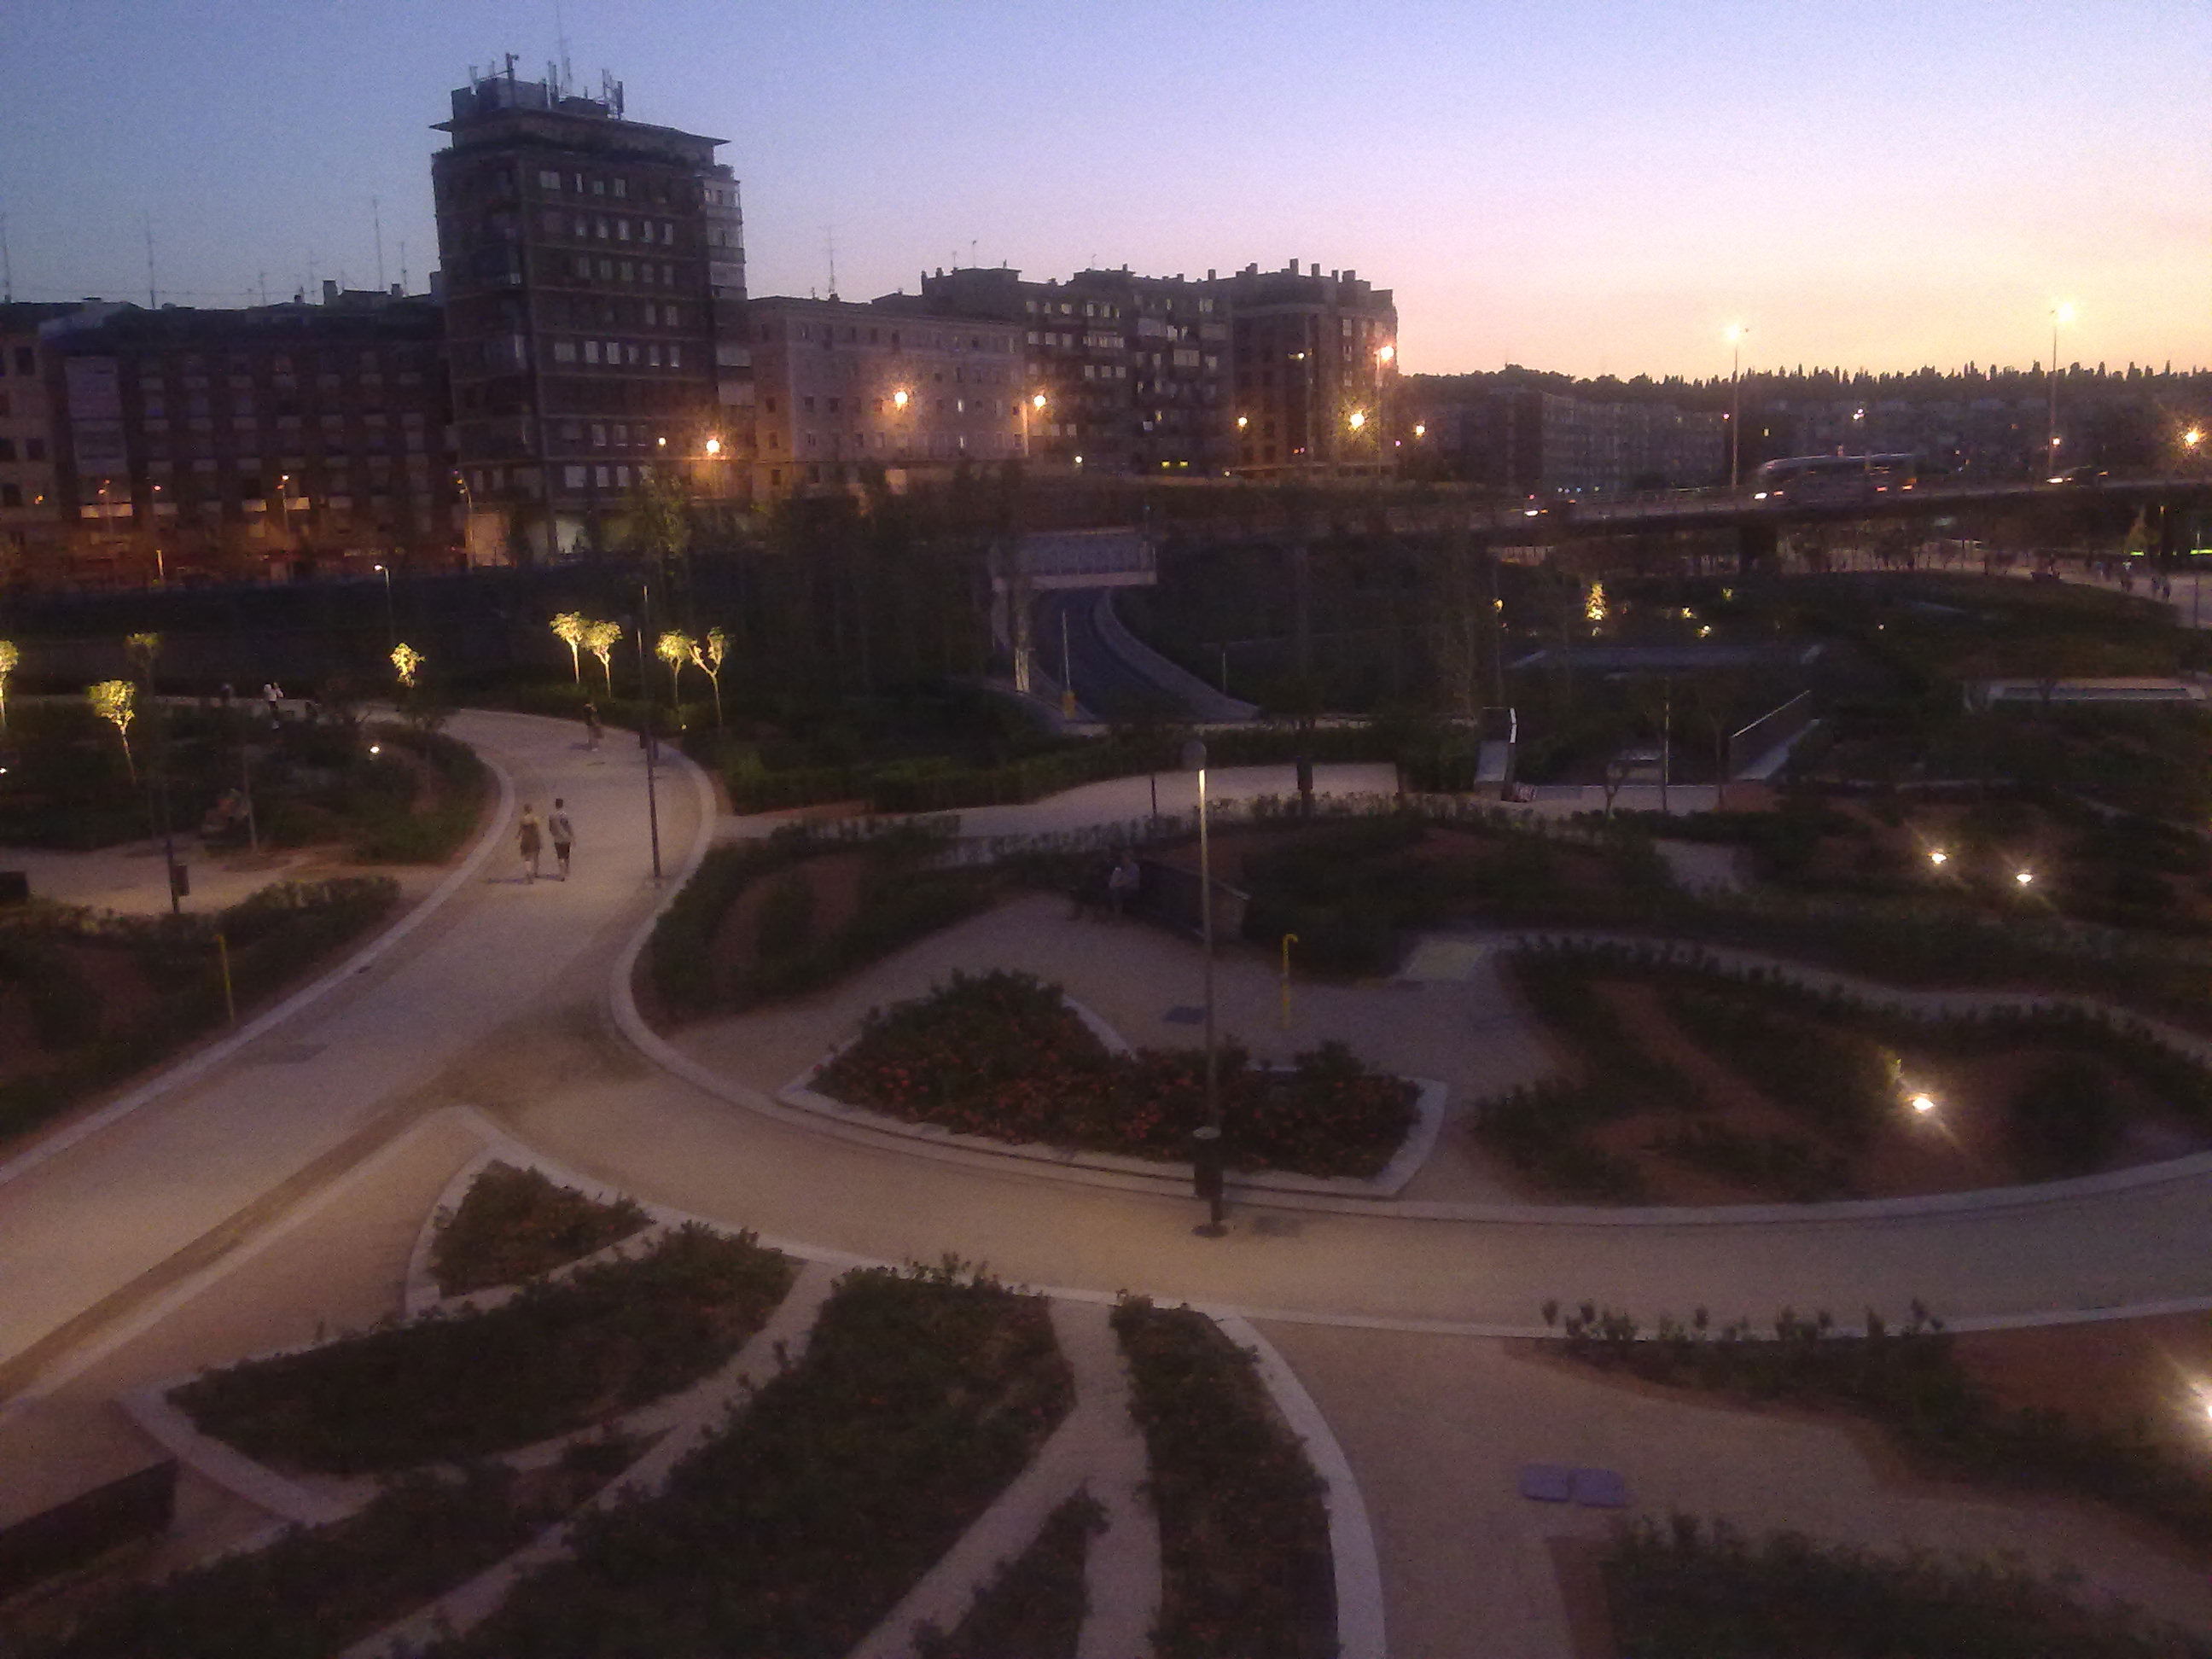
[513,1225]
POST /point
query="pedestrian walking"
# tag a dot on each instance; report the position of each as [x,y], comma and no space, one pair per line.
[592,731]
[272,694]
[561,833]
[1090,895]
[527,841]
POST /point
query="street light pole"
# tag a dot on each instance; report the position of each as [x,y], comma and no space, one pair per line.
[2061,313]
[1736,406]
[645,693]
[1208,1163]
[390,621]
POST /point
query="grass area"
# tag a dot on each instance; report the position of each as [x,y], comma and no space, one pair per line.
[1034,1607]
[1907,1381]
[105,995]
[558,1357]
[1246,1566]
[513,1225]
[1688,1589]
[1001,1054]
[316,1589]
[796,1530]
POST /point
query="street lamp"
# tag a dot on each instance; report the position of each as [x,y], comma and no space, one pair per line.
[390,623]
[1207,1161]
[2061,313]
[1735,333]
[1036,400]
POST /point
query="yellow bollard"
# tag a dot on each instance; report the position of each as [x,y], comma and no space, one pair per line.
[1289,940]
[223,956]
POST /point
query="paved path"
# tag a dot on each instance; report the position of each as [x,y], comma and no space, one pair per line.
[83,1231]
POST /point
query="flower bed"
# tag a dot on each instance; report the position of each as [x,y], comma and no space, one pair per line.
[797,1528]
[558,1357]
[1908,1382]
[513,1225]
[1246,1569]
[316,1589]
[1683,1589]
[1034,1607]
[1001,1054]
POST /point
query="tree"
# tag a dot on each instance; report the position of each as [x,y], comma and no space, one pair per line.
[709,661]
[676,649]
[9,656]
[573,630]
[407,661]
[142,649]
[116,701]
[600,639]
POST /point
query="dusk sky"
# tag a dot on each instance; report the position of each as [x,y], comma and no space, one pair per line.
[1589,185]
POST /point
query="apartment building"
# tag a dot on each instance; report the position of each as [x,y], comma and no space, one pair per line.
[1316,371]
[594,280]
[31,518]
[1134,370]
[1530,441]
[843,388]
[273,440]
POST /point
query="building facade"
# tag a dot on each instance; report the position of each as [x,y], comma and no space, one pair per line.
[594,281]
[841,389]
[31,516]
[277,440]
[1134,371]
[1526,440]
[1316,369]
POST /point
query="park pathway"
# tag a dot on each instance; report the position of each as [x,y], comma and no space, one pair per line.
[94,1224]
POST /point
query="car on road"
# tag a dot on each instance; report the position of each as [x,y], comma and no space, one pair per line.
[2084,474]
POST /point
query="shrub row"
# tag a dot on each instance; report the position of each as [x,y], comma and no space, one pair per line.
[1001,1054]
[1684,1590]
[796,1530]
[405,836]
[1033,1606]
[513,1225]
[559,1356]
[1246,1567]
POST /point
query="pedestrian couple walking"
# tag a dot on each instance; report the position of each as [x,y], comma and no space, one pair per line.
[532,837]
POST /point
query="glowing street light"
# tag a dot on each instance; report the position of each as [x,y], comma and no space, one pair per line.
[713,447]
[2025,877]
[1922,1104]
[1938,857]
[1357,419]
[2061,311]
[899,399]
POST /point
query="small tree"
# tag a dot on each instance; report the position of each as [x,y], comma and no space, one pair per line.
[600,639]
[574,630]
[9,656]
[409,662]
[142,649]
[709,661]
[116,701]
[676,649]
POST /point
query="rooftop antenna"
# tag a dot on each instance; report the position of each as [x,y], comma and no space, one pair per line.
[262,277]
[830,243]
[152,302]
[403,265]
[7,268]
[561,36]
[972,240]
[376,218]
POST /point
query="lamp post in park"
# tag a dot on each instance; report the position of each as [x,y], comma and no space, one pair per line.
[1207,1163]
[1735,333]
[2061,313]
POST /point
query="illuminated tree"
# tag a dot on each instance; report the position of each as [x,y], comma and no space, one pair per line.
[408,661]
[676,650]
[600,639]
[709,661]
[9,656]
[142,649]
[574,631]
[117,701]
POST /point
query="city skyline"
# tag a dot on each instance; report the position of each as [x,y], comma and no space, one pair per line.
[1589,189]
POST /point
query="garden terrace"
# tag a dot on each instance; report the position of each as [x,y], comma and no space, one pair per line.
[88,997]
[1692,1082]
[1000,1054]
[764,920]
[798,1527]
[560,1356]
